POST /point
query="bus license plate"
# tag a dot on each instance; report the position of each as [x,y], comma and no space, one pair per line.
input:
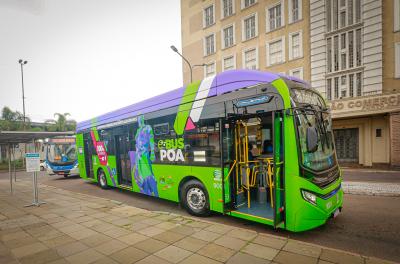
[336,213]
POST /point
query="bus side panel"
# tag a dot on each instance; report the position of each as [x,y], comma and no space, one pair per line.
[168,178]
[81,155]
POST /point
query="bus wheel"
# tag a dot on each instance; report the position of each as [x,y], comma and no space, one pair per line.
[102,179]
[194,197]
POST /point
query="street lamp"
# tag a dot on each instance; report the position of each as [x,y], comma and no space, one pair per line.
[22,63]
[174,49]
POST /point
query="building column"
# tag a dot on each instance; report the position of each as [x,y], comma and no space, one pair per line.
[395,139]
[367,143]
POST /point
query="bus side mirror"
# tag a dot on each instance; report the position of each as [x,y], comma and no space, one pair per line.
[312,139]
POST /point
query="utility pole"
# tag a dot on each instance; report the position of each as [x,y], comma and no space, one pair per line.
[22,63]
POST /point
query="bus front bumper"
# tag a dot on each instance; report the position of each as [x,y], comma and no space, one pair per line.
[309,216]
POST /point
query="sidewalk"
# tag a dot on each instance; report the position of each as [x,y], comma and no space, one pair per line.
[371,182]
[78,228]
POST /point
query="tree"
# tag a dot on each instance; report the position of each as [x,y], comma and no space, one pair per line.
[12,121]
[61,124]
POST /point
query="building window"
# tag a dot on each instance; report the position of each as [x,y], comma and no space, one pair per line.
[344,51]
[209,45]
[358,47]
[336,87]
[328,16]
[351,85]
[250,59]
[342,13]
[336,53]
[329,54]
[228,35]
[208,16]
[358,10]
[348,85]
[229,63]
[228,8]
[351,49]
[396,15]
[247,3]
[397,59]
[295,10]
[295,45]
[358,84]
[275,17]
[350,12]
[329,89]
[335,14]
[209,69]
[249,26]
[378,132]
[276,51]
[298,73]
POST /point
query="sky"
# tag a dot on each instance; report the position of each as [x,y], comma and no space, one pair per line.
[87,57]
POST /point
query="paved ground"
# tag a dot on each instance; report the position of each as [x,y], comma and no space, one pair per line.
[368,225]
[80,228]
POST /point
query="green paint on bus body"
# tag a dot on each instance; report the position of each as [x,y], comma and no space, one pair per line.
[185,106]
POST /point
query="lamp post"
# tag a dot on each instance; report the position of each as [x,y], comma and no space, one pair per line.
[174,49]
[22,63]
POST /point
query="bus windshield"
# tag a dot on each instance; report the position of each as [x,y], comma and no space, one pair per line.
[61,154]
[324,157]
[311,112]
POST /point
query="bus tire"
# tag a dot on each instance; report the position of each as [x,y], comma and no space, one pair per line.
[194,197]
[101,179]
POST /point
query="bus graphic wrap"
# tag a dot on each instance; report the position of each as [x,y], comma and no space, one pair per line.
[232,143]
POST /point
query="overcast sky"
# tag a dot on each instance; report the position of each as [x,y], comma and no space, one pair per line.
[87,57]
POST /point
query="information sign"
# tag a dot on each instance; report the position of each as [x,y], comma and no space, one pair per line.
[32,162]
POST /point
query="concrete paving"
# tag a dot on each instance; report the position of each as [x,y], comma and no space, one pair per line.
[79,228]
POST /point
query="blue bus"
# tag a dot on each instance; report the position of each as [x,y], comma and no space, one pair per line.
[61,157]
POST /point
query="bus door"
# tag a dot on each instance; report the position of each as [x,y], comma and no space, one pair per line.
[88,148]
[278,173]
[253,165]
[123,161]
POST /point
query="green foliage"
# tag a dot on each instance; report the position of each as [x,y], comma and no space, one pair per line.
[14,121]
[61,124]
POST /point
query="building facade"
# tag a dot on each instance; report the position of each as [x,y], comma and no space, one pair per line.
[347,49]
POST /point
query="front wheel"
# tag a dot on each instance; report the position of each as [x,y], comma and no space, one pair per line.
[102,180]
[195,199]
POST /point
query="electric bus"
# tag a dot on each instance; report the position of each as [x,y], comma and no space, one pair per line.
[61,158]
[249,144]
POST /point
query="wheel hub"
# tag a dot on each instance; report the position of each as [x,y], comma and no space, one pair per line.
[196,198]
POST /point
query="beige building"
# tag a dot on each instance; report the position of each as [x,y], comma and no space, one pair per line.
[346,49]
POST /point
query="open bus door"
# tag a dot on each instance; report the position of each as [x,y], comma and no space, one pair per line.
[88,149]
[251,171]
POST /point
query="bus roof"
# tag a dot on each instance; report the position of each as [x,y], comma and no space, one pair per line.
[221,83]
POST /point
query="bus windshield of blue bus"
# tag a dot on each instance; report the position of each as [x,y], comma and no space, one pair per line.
[61,151]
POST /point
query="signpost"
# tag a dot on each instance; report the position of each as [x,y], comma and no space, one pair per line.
[33,165]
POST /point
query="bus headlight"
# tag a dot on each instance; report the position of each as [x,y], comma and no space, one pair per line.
[76,166]
[309,197]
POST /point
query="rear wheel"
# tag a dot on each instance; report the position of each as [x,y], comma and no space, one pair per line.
[194,197]
[102,180]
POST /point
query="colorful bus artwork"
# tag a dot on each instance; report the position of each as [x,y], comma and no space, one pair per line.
[250,144]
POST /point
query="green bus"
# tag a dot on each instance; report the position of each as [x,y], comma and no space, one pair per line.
[250,144]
